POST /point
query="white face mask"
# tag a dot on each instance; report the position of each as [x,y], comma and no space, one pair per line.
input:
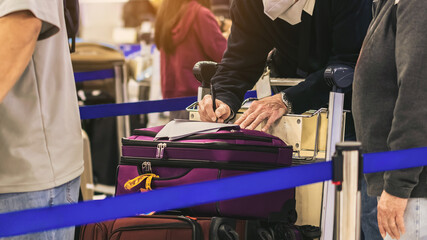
[274,8]
[288,10]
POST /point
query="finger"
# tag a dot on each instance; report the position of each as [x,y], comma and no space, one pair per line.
[381,225]
[400,224]
[244,116]
[240,120]
[248,120]
[270,121]
[203,115]
[222,112]
[394,231]
[387,228]
[208,113]
[201,109]
[261,117]
[248,112]
[250,115]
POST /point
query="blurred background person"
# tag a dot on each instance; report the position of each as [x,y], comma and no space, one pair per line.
[137,11]
[221,10]
[186,31]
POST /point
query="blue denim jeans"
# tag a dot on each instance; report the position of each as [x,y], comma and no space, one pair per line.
[415,218]
[369,222]
[66,193]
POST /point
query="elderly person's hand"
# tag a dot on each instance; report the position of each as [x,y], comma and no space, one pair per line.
[390,215]
[269,108]
[207,114]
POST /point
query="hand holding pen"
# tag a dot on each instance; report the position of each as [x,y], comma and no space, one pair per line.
[210,112]
[210,109]
[213,100]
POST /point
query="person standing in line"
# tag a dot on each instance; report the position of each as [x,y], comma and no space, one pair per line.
[335,34]
[390,110]
[186,32]
[41,147]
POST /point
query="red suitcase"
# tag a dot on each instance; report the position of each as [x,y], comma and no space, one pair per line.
[173,227]
[165,227]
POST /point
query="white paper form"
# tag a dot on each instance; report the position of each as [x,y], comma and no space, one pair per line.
[180,128]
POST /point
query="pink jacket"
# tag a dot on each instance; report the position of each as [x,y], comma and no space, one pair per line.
[197,37]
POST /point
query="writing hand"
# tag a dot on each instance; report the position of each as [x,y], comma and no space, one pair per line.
[207,114]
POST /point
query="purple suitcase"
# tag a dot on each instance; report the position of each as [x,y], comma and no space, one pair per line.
[209,156]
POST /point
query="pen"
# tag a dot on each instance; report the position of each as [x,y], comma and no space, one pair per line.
[213,99]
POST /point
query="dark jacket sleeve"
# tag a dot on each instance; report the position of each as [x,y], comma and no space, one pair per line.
[244,59]
[408,128]
[251,39]
[350,20]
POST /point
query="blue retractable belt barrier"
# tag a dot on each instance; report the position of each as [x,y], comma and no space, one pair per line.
[21,222]
[250,94]
[94,75]
[394,160]
[15,223]
[143,107]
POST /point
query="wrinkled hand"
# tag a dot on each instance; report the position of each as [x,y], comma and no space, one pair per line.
[270,108]
[206,111]
[390,215]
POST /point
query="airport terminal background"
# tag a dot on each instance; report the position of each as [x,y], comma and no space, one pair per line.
[117,62]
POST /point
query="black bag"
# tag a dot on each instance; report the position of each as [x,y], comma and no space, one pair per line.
[102,133]
[71,15]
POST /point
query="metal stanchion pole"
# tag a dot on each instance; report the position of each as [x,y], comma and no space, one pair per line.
[125,98]
[339,77]
[120,79]
[347,173]
[335,126]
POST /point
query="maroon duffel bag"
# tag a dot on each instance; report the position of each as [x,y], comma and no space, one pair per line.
[165,227]
[173,227]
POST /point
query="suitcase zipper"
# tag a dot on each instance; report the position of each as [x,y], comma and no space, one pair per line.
[180,163]
[212,145]
[146,167]
[160,150]
[151,227]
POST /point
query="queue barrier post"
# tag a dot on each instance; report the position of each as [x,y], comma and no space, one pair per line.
[339,77]
[347,175]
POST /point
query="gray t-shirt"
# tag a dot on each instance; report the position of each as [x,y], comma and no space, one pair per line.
[40,133]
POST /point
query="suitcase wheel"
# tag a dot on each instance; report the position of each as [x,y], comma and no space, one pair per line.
[310,232]
[284,231]
[264,234]
[226,232]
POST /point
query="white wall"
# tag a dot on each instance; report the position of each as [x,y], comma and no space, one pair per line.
[99,18]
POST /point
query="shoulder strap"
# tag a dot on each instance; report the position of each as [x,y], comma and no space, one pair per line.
[71,15]
[304,44]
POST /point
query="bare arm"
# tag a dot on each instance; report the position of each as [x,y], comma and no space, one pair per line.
[18,36]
